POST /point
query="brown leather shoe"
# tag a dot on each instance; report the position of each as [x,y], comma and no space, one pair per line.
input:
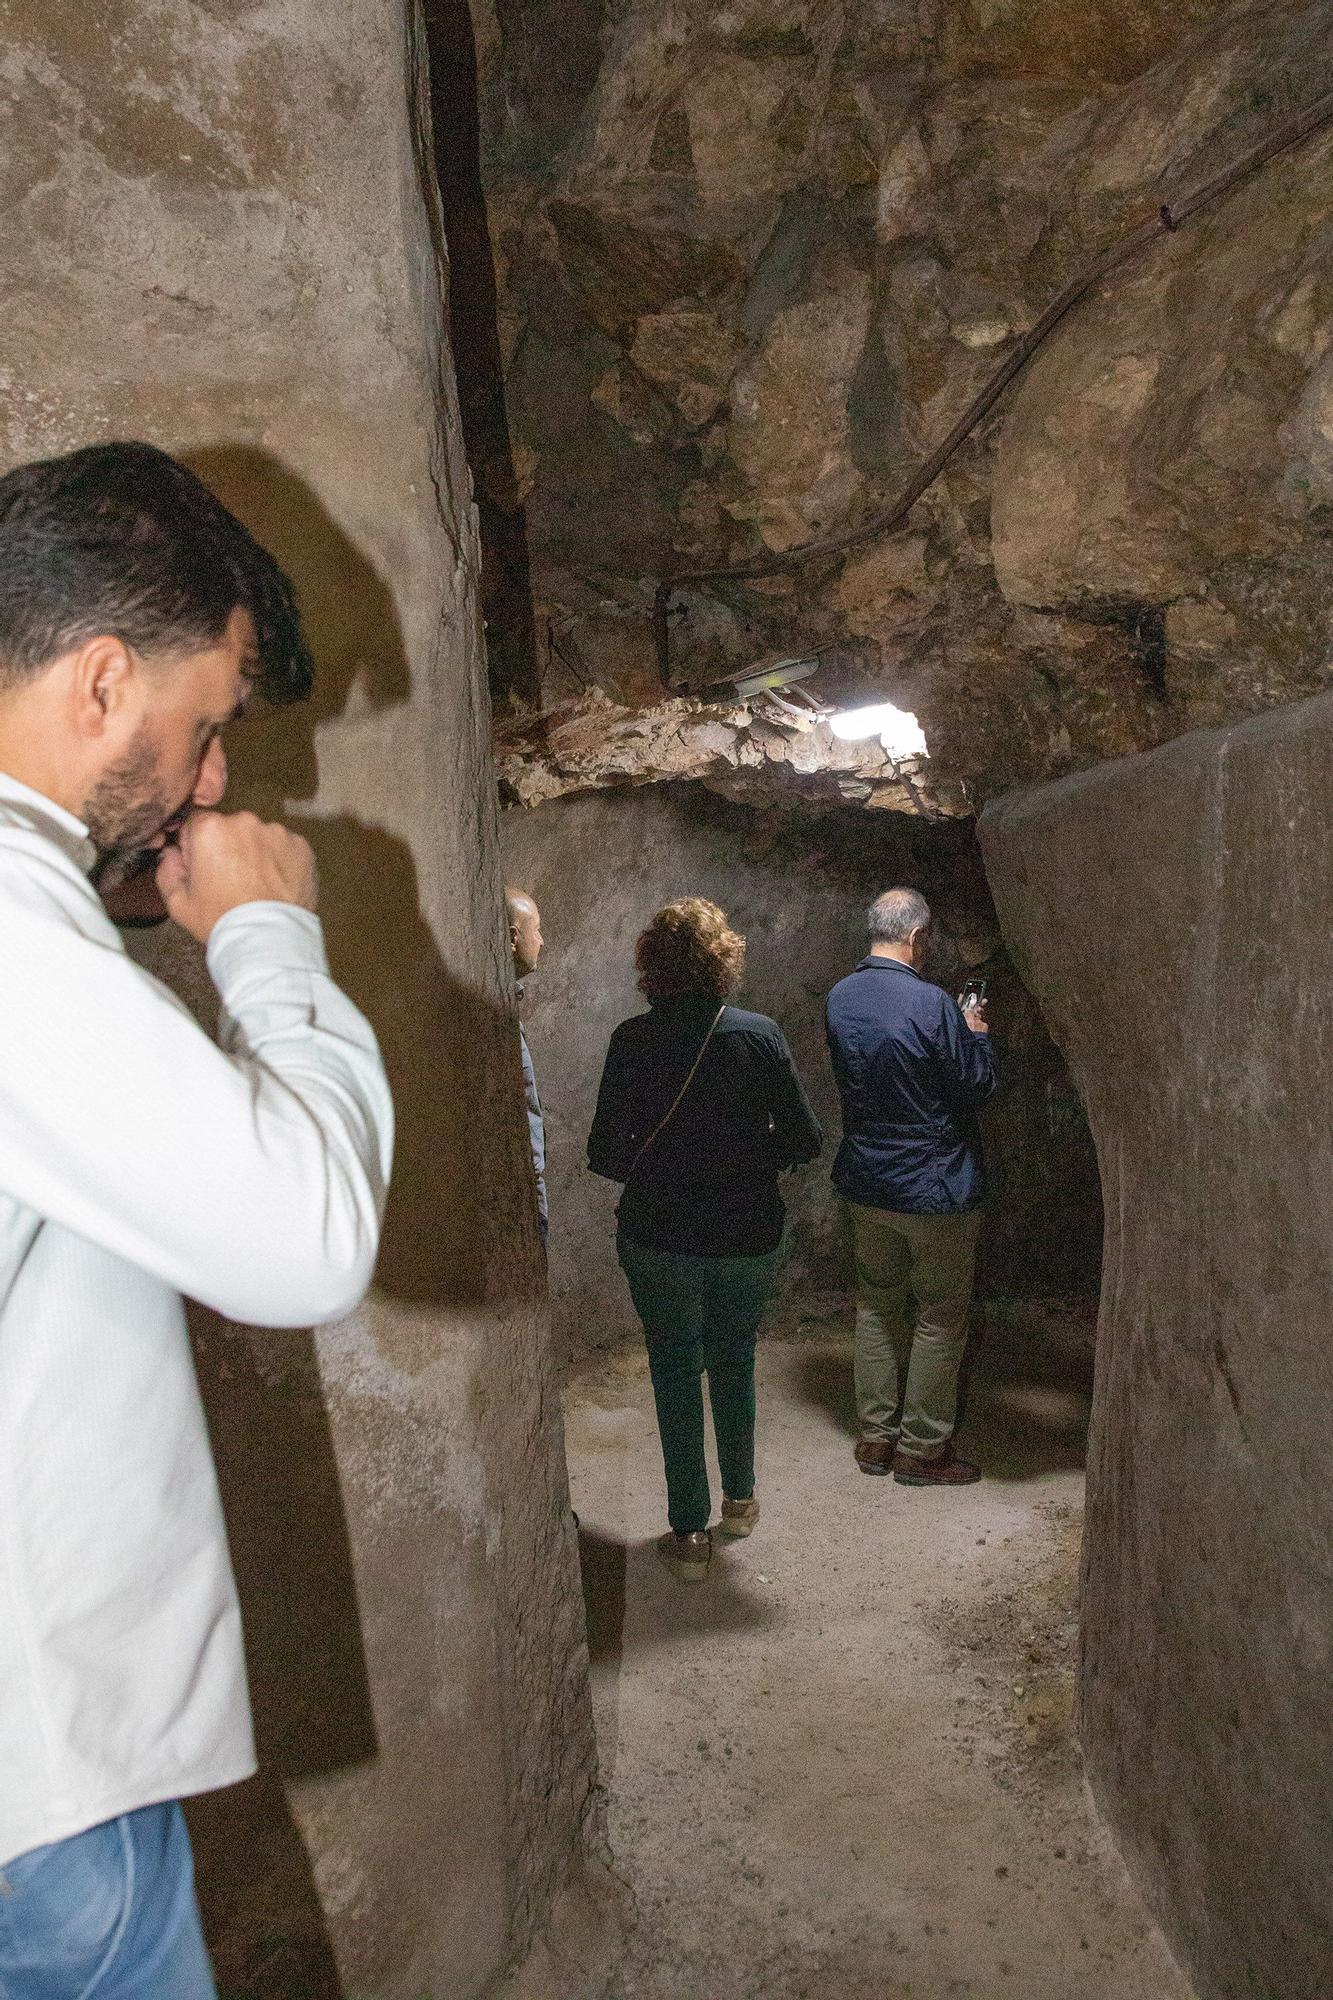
[739,1519]
[875,1455]
[946,1470]
[686,1556]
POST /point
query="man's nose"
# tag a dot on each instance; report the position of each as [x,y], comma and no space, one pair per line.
[212,780]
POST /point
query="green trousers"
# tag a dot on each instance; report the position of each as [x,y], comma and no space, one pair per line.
[913,1290]
[700,1316]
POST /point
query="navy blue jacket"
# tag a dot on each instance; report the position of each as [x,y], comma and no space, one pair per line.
[912,1076]
[708,1187]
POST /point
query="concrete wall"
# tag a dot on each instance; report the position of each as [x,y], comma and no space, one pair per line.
[1172,913]
[219,236]
[798,885]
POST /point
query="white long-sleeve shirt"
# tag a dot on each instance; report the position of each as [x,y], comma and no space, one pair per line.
[139,1160]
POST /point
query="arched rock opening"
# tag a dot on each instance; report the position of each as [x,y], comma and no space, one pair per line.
[797,882]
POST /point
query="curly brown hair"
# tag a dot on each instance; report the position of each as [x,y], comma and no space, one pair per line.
[689,948]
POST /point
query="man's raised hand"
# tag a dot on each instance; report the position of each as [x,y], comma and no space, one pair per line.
[221,860]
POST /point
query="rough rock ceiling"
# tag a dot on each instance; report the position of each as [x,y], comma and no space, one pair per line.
[753,259]
[749,752]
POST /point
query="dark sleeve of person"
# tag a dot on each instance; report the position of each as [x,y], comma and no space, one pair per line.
[614,1140]
[967,1059]
[796,1133]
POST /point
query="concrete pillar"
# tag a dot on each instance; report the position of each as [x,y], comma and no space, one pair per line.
[1172,914]
[221,235]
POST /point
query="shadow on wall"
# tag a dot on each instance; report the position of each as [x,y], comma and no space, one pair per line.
[267,1407]
[1026,1394]
[308,1685]
[348,611]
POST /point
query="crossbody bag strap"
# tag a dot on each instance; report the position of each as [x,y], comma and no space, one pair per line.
[662,1123]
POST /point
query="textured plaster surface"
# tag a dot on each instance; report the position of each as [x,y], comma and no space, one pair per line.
[216,238]
[798,886]
[1171,913]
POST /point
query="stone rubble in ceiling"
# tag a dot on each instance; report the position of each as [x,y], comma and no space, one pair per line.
[753,259]
[749,751]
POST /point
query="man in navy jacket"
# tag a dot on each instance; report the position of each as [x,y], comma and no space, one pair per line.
[912,1070]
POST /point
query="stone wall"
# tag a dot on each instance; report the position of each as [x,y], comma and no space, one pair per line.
[220,236]
[1172,914]
[753,261]
[797,884]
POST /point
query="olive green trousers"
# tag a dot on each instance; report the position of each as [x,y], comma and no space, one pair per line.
[913,1291]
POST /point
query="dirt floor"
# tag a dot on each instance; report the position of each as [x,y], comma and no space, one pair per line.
[845,1767]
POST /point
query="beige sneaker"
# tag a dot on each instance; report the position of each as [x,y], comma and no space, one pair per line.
[739,1518]
[686,1556]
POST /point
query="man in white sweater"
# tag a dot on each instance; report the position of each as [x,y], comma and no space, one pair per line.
[140,1160]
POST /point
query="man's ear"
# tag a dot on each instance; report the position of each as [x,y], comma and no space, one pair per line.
[102,684]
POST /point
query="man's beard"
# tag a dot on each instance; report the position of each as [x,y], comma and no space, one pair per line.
[123,812]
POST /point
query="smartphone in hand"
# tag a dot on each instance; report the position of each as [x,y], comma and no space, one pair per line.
[973,994]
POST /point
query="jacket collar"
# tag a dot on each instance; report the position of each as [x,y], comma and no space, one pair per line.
[686,1003]
[872,963]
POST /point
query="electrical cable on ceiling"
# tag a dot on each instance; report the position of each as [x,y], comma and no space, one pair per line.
[1167,220]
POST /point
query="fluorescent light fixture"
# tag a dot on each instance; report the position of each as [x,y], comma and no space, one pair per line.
[778,676]
[897,729]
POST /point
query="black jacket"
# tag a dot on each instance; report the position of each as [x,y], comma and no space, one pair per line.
[912,1076]
[708,1186]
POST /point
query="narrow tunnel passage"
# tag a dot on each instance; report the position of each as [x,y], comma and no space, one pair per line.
[848,1765]
[846,1768]
[746,268]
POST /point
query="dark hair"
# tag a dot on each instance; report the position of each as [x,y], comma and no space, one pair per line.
[689,948]
[121,539]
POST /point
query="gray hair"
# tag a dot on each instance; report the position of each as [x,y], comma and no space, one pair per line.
[893,917]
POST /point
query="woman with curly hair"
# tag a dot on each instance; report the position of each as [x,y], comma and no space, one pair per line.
[700,1109]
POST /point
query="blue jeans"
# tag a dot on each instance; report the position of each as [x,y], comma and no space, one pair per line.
[700,1315]
[109,1914]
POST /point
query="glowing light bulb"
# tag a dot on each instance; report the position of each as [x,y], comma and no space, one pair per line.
[897,729]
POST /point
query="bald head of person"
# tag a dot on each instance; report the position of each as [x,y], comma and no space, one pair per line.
[525,931]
